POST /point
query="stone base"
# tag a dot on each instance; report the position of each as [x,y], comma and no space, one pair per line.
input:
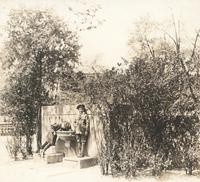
[54,158]
[36,156]
[80,163]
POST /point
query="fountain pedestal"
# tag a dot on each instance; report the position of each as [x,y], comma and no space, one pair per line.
[66,152]
[66,143]
[65,146]
[66,136]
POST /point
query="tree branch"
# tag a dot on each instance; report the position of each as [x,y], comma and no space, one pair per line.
[177,43]
[195,44]
[150,49]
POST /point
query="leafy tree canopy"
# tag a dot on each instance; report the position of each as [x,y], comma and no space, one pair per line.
[41,51]
[37,38]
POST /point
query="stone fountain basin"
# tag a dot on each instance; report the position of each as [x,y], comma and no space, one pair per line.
[66,135]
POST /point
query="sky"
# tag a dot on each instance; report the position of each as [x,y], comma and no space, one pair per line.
[104,46]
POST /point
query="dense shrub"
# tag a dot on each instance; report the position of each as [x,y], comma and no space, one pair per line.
[149,111]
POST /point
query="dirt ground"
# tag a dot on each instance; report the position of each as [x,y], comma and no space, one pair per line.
[37,170]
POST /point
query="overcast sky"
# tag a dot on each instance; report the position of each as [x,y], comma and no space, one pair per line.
[105,45]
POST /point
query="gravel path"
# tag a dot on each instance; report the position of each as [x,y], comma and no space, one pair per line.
[36,170]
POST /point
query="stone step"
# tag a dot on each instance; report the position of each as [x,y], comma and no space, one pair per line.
[54,158]
[80,163]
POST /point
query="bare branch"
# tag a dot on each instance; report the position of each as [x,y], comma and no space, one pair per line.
[172,38]
[189,83]
[175,29]
[177,43]
[125,60]
[179,33]
[195,44]
[150,49]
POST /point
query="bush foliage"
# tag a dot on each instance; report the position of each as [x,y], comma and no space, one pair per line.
[149,109]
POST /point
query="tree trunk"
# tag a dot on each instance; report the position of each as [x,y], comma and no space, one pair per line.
[39,119]
[29,144]
[39,130]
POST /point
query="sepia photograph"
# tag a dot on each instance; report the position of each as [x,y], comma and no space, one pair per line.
[100,90]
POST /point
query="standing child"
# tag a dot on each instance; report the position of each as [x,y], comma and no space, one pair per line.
[81,127]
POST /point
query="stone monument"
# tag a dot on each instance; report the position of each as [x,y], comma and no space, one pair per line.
[76,147]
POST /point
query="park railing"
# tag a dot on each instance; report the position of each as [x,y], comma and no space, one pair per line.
[6,129]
